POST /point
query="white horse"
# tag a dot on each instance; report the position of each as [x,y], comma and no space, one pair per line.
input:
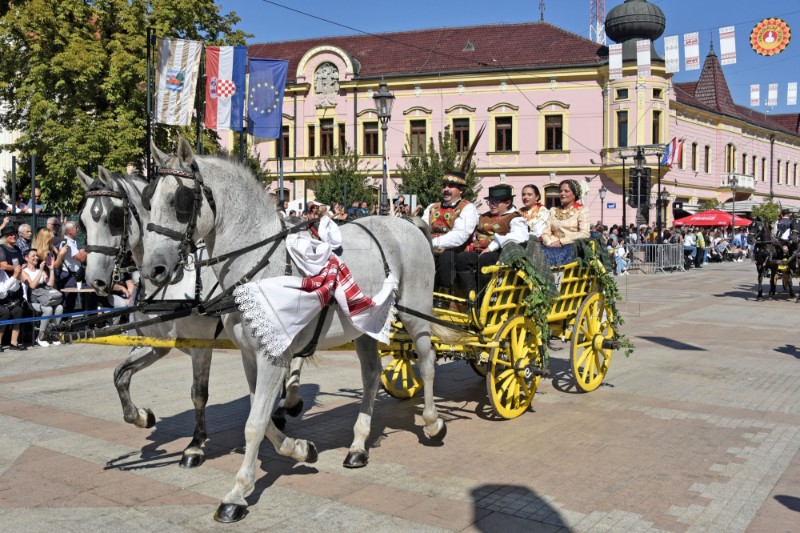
[242,215]
[115,201]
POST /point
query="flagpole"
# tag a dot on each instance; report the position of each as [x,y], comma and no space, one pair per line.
[280,167]
[200,106]
[149,110]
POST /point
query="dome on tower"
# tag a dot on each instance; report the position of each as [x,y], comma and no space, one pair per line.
[635,19]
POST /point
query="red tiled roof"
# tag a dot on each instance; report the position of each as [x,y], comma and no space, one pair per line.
[711,93]
[497,47]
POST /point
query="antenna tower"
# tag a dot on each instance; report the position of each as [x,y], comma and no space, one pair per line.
[541,10]
[597,21]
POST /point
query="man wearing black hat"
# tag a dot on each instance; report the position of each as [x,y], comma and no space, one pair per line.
[500,225]
[452,223]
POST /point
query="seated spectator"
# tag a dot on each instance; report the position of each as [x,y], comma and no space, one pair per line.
[339,214]
[11,301]
[39,275]
[21,206]
[24,234]
[354,211]
[621,257]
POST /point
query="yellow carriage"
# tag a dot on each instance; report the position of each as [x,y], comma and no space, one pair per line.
[501,341]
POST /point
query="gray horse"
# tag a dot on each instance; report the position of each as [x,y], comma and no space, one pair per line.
[100,263]
[243,215]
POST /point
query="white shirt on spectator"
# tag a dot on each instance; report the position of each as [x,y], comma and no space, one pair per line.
[7,284]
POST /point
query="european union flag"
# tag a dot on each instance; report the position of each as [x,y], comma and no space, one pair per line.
[265,97]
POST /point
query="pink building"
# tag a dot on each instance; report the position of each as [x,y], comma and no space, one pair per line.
[550,110]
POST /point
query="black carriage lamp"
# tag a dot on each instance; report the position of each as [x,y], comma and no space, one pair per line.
[384,100]
[734,183]
[602,192]
[664,204]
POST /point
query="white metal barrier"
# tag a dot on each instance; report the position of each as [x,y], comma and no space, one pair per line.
[652,258]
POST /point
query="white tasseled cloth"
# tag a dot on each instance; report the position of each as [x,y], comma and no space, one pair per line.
[277,309]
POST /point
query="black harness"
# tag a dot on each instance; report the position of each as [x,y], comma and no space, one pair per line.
[118,219]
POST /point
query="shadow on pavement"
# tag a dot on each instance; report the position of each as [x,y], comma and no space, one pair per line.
[672,343]
[512,508]
[789,349]
[790,502]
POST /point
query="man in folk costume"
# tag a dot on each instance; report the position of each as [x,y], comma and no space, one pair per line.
[452,221]
[497,227]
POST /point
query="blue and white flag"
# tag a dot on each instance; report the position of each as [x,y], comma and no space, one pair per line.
[265,97]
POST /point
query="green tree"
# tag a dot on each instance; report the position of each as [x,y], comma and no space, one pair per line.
[72,75]
[769,211]
[421,174]
[342,177]
[708,205]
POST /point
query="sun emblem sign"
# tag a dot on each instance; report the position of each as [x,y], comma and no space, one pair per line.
[770,37]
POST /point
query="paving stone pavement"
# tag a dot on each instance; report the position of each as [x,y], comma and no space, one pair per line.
[699,430]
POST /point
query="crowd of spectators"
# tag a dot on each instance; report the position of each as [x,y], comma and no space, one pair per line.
[701,245]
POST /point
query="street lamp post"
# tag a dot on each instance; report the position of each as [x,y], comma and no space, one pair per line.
[638,164]
[383,103]
[659,201]
[734,183]
[602,192]
[664,202]
[624,199]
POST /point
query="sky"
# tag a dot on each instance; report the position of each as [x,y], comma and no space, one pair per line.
[267,21]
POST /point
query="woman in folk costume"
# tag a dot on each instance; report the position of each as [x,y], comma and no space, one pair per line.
[565,225]
[533,211]
[499,226]
[452,221]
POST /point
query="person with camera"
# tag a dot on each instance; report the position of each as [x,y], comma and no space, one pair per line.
[40,276]
[72,268]
[11,295]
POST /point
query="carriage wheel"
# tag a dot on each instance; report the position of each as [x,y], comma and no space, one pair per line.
[401,377]
[510,381]
[588,356]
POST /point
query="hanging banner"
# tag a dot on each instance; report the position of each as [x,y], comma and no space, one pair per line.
[770,37]
[176,80]
[772,94]
[643,58]
[672,53]
[691,51]
[615,62]
[226,74]
[755,95]
[727,45]
[791,93]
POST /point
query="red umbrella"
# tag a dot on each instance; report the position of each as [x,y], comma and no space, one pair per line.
[711,218]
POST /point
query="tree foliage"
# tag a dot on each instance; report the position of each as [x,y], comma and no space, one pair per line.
[72,77]
[769,211]
[422,174]
[708,205]
[342,177]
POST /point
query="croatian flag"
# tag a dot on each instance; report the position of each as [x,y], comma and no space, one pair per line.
[226,71]
[673,152]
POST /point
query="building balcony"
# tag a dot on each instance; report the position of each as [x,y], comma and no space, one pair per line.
[743,182]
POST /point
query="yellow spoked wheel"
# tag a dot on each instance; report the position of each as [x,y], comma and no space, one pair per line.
[401,377]
[589,358]
[514,367]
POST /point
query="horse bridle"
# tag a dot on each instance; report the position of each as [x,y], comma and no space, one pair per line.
[128,210]
[186,245]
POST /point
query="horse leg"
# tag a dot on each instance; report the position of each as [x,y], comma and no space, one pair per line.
[201,367]
[291,402]
[435,428]
[259,424]
[138,359]
[760,284]
[367,350]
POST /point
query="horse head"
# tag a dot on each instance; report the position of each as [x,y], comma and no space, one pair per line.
[112,225]
[182,212]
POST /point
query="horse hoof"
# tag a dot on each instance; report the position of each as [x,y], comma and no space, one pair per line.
[312,455]
[192,460]
[356,460]
[279,421]
[439,437]
[151,419]
[230,512]
[296,409]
